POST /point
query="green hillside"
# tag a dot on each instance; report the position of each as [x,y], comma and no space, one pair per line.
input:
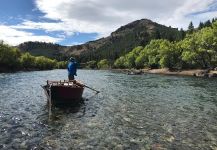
[197,50]
[120,42]
[50,50]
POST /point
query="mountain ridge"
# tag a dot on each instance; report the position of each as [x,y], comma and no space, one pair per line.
[119,42]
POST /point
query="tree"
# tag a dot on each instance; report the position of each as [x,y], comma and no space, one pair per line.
[61,64]
[120,63]
[201,25]
[91,64]
[153,53]
[199,49]
[45,63]
[27,61]
[103,64]
[169,55]
[182,33]
[196,50]
[207,23]
[142,60]
[131,57]
[191,28]
[9,57]
[157,34]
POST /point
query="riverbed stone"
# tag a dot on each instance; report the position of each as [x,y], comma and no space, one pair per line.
[211,75]
[202,74]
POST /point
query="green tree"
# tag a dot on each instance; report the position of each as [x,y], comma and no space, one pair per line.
[91,64]
[207,23]
[182,33]
[196,50]
[142,60]
[61,64]
[200,48]
[170,55]
[131,57]
[201,25]
[27,61]
[191,28]
[44,63]
[103,64]
[9,57]
[153,53]
[157,35]
[120,63]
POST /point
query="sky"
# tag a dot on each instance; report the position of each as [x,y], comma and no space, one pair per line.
[73,22]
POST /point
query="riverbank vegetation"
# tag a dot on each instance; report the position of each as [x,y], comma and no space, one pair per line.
[11,59]
[197,50]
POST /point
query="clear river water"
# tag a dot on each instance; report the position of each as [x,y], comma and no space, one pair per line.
[130,112]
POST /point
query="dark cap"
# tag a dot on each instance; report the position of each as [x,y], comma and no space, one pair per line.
[72,59]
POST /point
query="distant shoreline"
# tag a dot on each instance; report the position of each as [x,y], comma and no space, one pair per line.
[163,71]
[166,71]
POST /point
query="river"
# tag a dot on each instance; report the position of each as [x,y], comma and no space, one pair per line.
[130,112]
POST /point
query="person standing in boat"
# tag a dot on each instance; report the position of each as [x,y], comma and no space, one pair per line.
[72,68]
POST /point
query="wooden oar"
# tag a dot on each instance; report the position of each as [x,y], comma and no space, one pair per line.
[79,84]
[90,88]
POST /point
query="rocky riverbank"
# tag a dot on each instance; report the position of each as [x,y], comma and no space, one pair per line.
[166,71]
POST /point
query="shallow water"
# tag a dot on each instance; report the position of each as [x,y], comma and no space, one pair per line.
[130,112]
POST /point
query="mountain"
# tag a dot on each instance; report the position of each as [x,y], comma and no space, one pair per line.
[120,42]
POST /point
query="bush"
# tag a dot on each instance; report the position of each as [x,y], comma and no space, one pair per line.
[45,63]
[28,61]
[120,63]
[103,64]
[61,65]
[9,57]
[91,64]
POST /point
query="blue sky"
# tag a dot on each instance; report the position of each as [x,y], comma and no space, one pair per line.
[72,22]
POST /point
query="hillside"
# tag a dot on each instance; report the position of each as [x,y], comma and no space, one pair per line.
[50,50]
[120,42]
[196,51]
[124,39]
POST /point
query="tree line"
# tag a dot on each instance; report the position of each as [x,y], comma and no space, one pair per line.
[197,50]
[194,48]
[11,59]
[165,51]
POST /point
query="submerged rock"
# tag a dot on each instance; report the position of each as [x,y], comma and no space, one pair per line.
[211,75]
[203,73]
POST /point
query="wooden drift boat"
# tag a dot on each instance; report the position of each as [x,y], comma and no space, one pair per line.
[63,92]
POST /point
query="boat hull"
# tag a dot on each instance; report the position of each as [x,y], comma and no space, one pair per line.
[66,95]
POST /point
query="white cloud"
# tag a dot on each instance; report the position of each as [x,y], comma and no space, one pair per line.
[104,17]
[15,37]
[181,17]
[69,27]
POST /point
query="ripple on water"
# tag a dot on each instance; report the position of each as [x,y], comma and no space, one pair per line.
[130,112]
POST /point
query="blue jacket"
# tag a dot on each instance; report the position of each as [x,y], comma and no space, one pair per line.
[72,68]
